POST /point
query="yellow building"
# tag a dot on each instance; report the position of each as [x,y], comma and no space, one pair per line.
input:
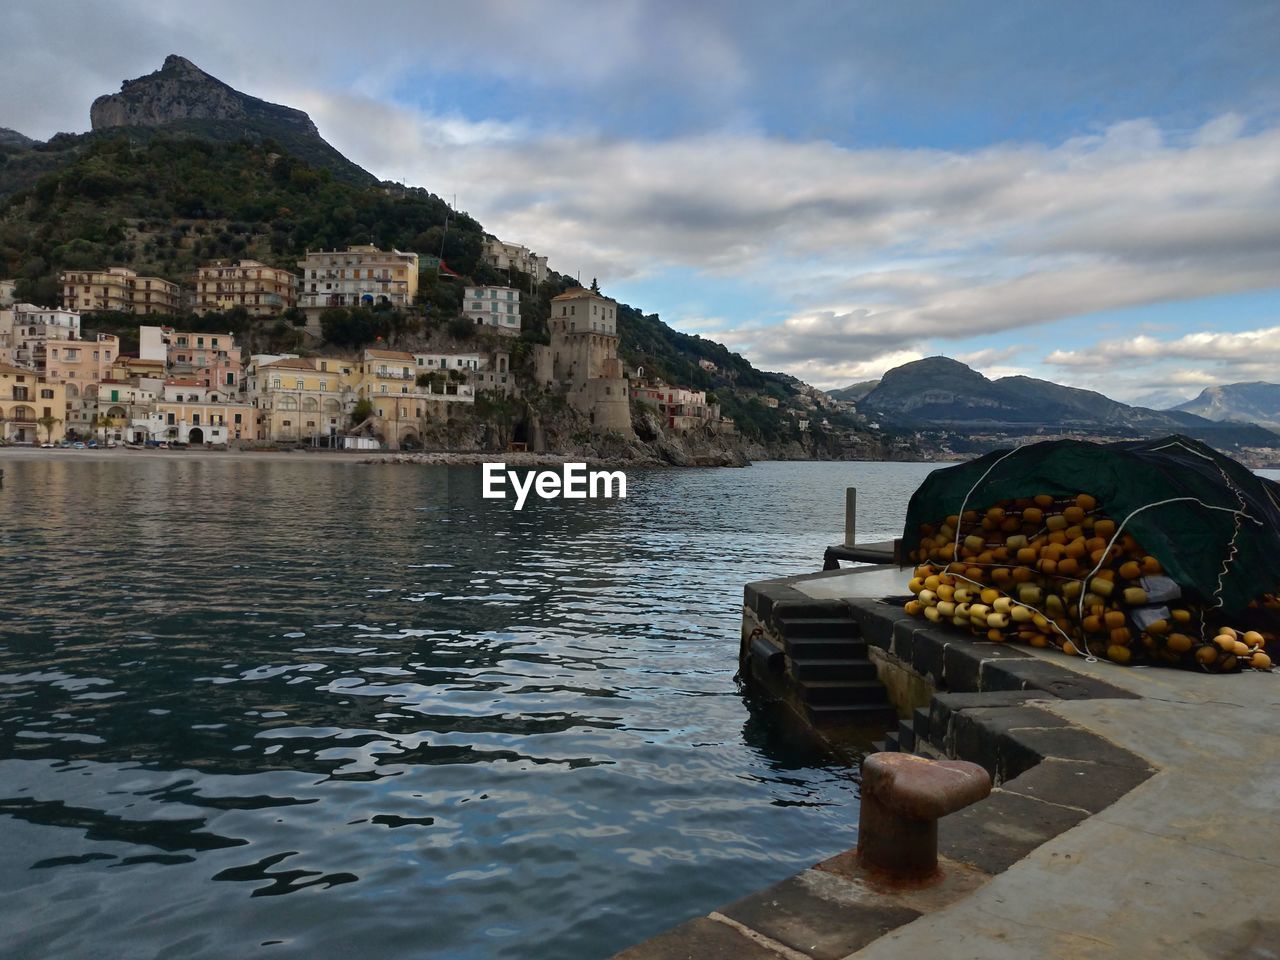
[126,368]
[25,400]
[401,408]
[299,400]
[119,289]
[261,290]
[190,412]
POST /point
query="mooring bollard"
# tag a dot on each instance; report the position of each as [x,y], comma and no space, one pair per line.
[902,798]
[850,516]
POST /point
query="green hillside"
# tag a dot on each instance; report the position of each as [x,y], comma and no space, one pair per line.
[164,200]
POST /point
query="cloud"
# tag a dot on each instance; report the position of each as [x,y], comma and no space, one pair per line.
[1246,347]
[637,143]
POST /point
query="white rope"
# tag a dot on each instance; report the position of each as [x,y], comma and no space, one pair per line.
[1120,530]
[955,556]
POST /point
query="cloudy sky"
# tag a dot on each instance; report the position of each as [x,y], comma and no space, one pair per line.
[1088,192]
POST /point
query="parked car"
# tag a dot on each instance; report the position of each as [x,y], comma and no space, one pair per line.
[79,445]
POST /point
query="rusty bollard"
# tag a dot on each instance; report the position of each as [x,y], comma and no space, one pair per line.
[902,798]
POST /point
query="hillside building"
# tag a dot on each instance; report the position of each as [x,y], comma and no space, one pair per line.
[8,293]
[402,407]
[211,358]
[261,290]
[24,327]
[583,359]
[680,408]
[508,256]
[118,289]
[358,276]
[495,376]
[497,308]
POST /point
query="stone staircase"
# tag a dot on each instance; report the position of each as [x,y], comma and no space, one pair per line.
[834,680]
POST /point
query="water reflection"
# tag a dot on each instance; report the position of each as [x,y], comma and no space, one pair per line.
[441,727]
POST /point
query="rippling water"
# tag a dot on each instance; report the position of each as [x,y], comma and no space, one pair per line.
[294,707]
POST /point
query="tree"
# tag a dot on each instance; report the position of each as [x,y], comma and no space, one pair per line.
[362,411]
[49,422]
[461,328]
[595,285]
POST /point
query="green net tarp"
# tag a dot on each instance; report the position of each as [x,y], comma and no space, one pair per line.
[1212,523]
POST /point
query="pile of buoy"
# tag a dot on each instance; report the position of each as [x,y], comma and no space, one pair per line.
[1052,571]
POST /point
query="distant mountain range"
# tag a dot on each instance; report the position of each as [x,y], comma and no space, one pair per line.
[941,393]
[854,391]
[1253,402]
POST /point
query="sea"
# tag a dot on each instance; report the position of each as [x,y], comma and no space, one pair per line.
[294,705]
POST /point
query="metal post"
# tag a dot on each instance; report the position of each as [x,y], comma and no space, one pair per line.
[850,515]
[902,798]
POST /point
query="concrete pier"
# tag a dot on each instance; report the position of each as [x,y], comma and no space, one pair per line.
[1133,813]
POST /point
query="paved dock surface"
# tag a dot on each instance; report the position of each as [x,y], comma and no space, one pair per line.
[1186,864]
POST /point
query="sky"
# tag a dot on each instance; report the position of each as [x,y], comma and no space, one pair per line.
[1085,192]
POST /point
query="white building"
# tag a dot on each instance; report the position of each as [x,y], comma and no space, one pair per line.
[495,307]
[24,326]
[462,362]
[359,276]
[8,292]
[505,256]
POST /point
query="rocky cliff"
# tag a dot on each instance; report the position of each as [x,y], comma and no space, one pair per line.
[180,90]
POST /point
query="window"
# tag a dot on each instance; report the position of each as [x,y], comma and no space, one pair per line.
[276,383]
[238,419]
[46,394]
[195,419]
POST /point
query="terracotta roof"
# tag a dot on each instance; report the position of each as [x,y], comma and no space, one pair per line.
[389,355]
[178,382]
[10,368]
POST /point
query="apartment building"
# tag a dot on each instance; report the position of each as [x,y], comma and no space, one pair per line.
[507,256]
[358,276]
[261,290]
[212,358]
[25,400]
[24,327]
[298,400]
[189,411]
[402,407]
[497,308]
[118,289]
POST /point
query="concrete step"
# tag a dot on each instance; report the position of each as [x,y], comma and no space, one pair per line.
[840,668]
[852,715]
[892,744]
[797,627]
[920,723]
[906,737]
[826,648]
[842,692]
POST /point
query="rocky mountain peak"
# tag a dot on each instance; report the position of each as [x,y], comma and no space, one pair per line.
[180,90]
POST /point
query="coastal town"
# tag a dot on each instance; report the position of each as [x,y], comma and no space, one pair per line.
[61,385]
